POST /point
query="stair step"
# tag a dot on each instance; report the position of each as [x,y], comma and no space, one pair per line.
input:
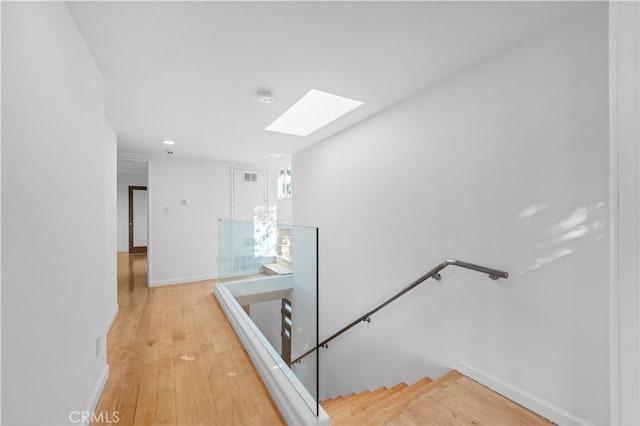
[423,393]
[348,401]
[452,399]
[346,411]
[403,420]
[336,404]
[417,418]
[386,403]
[331,402]
[363,402]
[481,405]
[433,412]
[397,388]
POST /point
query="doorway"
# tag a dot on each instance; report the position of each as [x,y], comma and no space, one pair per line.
[138,226]
[249,195]
[250,212]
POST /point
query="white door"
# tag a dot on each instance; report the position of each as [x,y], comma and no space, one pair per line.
[250,212]
[250,201]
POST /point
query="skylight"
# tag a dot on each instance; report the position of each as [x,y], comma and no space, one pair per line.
[314,110]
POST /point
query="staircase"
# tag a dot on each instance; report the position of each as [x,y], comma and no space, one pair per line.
[453,399]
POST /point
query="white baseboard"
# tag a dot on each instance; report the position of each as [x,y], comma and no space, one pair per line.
[97,391]
[536,404]
[111,319]
[182,280]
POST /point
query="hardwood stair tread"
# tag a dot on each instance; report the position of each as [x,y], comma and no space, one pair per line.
[451,400]
[346,411]
[372,395]
[394,399]
[328,404]
[416,417]
[437,414]
[475,387]
[403,420]
[331,402]
[480,407]
[386,394]
[349,400]
[425,392]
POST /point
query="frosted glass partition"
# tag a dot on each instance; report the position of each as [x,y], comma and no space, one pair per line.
[243,247]
[272,272]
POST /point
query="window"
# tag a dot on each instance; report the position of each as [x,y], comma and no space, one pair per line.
[284,183]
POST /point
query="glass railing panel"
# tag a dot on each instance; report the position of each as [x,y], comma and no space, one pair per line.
[272,271]
[243,247]
[304,303]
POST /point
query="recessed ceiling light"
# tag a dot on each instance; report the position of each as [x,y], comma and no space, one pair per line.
[168,142]
[314,110]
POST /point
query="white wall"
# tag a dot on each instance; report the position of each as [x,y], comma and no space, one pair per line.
[624,73]
[0,232]
[110,232]
[183,239]
[266,316]
[505,165]
[58,217]
[124,181]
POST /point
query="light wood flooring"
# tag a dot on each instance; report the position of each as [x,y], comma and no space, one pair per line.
[175,360]
[452,399]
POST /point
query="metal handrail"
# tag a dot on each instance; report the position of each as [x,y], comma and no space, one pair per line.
[494,274]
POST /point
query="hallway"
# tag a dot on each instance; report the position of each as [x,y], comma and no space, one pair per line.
[175,360]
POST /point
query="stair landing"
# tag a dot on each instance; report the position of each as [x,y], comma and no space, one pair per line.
[453,399]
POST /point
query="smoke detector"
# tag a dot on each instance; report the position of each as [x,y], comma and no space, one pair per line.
[265,96]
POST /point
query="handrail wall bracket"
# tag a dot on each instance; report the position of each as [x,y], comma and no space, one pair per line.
[434,273]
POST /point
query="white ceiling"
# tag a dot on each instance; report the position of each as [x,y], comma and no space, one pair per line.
[190,71]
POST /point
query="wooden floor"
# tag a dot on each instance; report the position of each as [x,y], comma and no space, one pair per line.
[175,360]
[452,399]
